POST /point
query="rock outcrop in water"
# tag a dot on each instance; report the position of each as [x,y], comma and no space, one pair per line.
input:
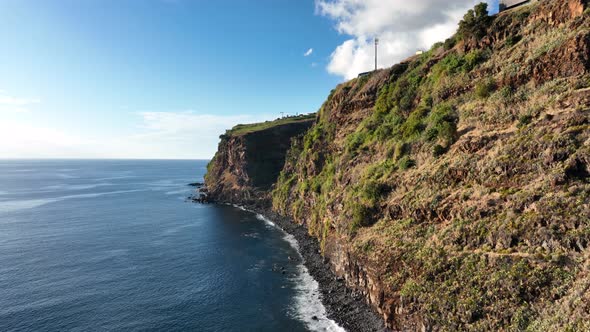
[452,190]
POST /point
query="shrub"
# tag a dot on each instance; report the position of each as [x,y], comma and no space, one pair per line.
[506,94]
[414,125]
[442,124]
[427,101]
[377,171]
[316,134]
[512,40]
[406,163]
[282,189]
[316,186]
[355,141]
[362,216]
[524,120]
[373,191]
[485,88]
[405,90]
[452,63]
[436,46]
[431,134]
[582,83]
[438,150]
[472,59]
[401,149]
[450,43]
[474,23]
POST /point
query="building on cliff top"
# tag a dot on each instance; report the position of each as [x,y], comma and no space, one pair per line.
[508,4]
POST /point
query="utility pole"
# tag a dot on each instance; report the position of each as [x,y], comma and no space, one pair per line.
[282,115]
[376,44]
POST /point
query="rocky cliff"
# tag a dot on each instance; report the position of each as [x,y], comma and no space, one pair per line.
[453,189]
[249,159]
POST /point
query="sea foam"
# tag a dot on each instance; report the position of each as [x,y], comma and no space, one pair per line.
[12,206]
[308,305]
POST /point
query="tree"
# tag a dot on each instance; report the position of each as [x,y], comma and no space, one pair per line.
[475,22]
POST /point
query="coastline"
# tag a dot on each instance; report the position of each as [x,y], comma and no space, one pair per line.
[344,306]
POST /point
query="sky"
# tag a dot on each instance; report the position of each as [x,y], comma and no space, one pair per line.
[162,79]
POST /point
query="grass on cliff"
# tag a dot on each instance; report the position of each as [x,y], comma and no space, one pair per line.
[243,129]
[467,185]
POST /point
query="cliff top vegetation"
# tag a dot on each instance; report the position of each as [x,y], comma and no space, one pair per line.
[243,129]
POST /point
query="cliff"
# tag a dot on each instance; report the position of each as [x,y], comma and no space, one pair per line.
[249,159]
[453,189]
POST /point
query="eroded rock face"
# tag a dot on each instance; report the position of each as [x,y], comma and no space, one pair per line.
[570,59]
[422,233]
[246,165]
[559,12]
[451,190]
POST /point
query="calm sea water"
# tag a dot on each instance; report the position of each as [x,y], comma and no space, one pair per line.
[114,246]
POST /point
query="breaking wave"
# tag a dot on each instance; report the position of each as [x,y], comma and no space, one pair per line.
[308,305]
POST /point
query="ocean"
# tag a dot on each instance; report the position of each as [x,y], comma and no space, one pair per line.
[113,245]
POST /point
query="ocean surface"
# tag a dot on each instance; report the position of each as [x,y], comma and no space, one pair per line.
[115,246]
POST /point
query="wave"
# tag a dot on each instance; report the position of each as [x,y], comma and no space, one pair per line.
[308,304]
[162,184]
[66,176]
[270,223]
[93,195]
[176,192]
[74,186]
[12,206]
[120,177]
[241,208]
[28,170]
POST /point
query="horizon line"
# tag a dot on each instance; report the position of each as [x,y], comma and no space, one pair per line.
[138,159]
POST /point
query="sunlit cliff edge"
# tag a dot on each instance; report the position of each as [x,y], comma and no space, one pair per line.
[452,189]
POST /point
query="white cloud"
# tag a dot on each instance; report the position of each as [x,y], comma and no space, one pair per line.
[309,52]
[8,100]
[402,26]
[14,104]
[184,134]
[158,135]
[22,140]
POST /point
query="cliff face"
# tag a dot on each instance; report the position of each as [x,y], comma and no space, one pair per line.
[249,159]
[453,189]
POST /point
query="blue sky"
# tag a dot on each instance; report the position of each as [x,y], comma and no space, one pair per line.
[163,78]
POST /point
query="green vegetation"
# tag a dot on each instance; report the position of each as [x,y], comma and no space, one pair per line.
[525,120]
[485,88]
[475,23]
[406,163]
[512,40]
[438,150]
[243,129]
[450,43]
[424,180]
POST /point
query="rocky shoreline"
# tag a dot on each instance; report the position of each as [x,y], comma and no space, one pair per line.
[346,307]
[343,305]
